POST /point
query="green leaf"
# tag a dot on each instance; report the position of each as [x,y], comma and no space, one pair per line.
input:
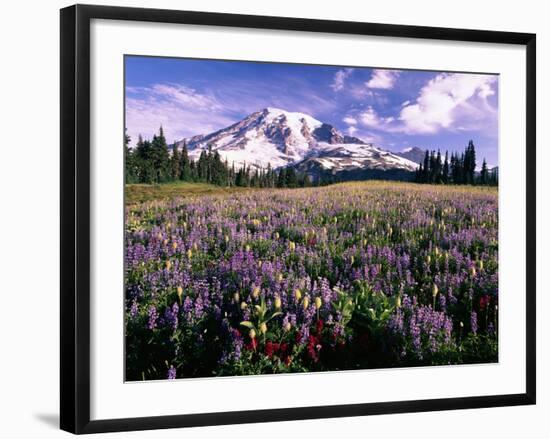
[247,324]
[275,314]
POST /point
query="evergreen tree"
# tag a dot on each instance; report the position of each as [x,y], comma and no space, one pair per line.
[438,171]
[175,163]
[462,162]
[233,174]
[484,175]
[269,176]
[291,178]
[426,176]
[202,166]
[193,171]
[219,170]
[458,169]
[419,174]
[144,161]
[160,157]
[469,163]
[227,176]
[454,168]
[185,167]
[209,160]
[493,177]
[130,162]
[281,179]
[445,170]
[240,178]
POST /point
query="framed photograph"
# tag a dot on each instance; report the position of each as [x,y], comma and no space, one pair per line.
[269,219]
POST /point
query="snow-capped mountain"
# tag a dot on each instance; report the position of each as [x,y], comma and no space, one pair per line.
[281,138]
[345,157]
[414,154]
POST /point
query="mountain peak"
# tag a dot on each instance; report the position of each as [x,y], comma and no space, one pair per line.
[413,153]
[280,138]
[274,113]
[273,110]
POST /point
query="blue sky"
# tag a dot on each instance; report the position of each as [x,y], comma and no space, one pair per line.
[394,109]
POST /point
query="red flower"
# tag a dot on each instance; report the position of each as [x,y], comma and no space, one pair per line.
[319,326]
[284,353]
[484,302]
[252,345]
[273,349]
[313,348]
[269,349]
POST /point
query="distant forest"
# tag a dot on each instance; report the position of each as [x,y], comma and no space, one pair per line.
[152,162]
[458,169]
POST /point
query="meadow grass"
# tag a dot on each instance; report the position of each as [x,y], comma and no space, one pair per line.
[139,193]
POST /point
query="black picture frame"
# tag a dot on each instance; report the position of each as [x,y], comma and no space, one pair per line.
[75,217]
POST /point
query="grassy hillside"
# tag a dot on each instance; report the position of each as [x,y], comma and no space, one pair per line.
[138,193]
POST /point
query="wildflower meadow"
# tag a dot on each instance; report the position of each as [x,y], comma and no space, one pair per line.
[348,276]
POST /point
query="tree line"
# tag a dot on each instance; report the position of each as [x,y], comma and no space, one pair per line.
[151,162]
[456,169]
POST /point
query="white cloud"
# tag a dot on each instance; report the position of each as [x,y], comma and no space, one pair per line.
[371,119]
[452,102]
[384,79]
[180,110]
[352,130]
[186,96]
[368,137]
[184,111]
[350,120]
[485,91]
[340,79]
[449,101]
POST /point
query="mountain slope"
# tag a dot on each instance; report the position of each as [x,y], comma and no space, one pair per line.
[414,154]
[281,138]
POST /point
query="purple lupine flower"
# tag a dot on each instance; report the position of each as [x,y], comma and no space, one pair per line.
[187,305]
[134,309]
[171,316]
[304,332]
[396,322]
[415,332]
[153,316]
[199,307]
[473,322]
[491,329]
[172,373]
[338,330]
[442,303]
